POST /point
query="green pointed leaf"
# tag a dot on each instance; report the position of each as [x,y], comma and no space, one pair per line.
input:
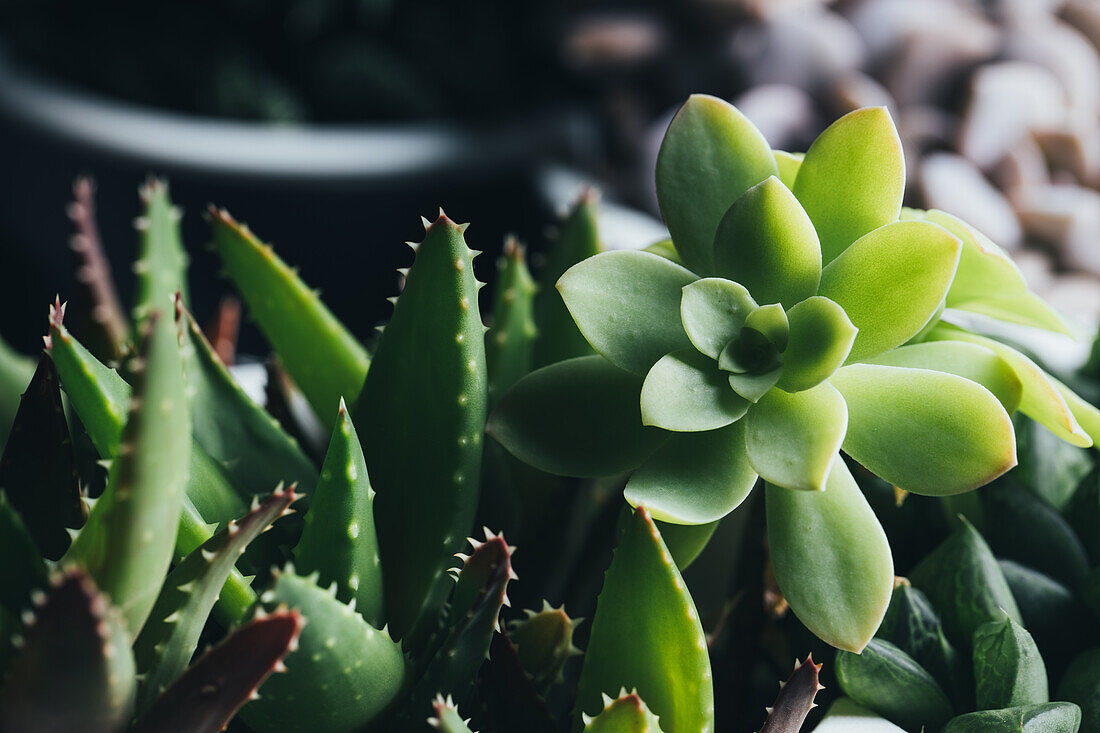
[427,383]
[1008,670]
[771,321]
[710,155]
[754,386]
[24,568]
[233,429]
[890,682]
[1086,415]
[665,248]
[577,239]
[767,243]
[510,343]
[627,304]
[128,542]
[1052,614]
[831,559]
[821,337]
[970,361]
[685,542]
[169,639]
[686,392]
[713,311]
[339,539]
[16,371]
[589,421]
[788,165]
[964,583]
[75,671]
[1051,717]
[161,268]
[343,674]
[646,636]
[792,439]
[1081,685]
[694,478]
[891,282]
[625,714]
[446,717]
[927,432]
[1041,400]
[1021,526]
[38,470]
[318,352]
[852,179]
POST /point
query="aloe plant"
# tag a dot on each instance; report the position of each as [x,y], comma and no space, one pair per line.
[800,320]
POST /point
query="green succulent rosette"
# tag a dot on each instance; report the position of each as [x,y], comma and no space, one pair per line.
[798,312]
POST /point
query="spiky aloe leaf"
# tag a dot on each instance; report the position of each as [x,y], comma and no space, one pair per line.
[427,383]
[646,635]
[462,642]
[796,699]
[509,699]
[15,372]
[75,671]
[38,470]
[161,267]
[110,329]
[888,681]
[24,569]
[322,357]
[625,714]
[446,718]
[235,430]
[344,673]
[170,637]
[510,341]
[962,580]
[208,694]
[101,398]
[130,536]
[544,641]
[339,540]
[577,239]
[1008,669]
[1081,685]
[1051,717]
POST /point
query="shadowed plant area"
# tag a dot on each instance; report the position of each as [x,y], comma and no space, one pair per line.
[777,434]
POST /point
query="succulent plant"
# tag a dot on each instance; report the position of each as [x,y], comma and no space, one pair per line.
[802,313]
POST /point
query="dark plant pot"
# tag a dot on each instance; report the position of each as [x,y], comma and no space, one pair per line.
[338,201]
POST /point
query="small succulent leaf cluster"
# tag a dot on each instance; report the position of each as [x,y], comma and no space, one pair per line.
[799,316]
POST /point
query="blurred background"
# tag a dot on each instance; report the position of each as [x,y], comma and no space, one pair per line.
[331,125]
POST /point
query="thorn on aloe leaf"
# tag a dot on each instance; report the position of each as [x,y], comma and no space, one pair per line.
[544,641]
[795,700]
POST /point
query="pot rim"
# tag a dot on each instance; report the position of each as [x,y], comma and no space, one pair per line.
[364,153]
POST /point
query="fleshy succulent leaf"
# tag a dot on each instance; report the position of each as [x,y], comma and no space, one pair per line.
[1086,414]
[128,542]
[544,643]
[510,342]
[852,179]
[37,468]
[888,681]
[712,311]
[1021,526]
[908,425]
[831,559]
[646,635]
[1080,685]
[339,539]
[685,542]
[788,165]
[75,671]
[821,337]
[319,353]
[891,282]
[753,387]
[710,155]
[694,478]
[161,268]
[792,439]
[767,243]
[577,239]
[625,714]
[1051,717]
[589,421]
[232,428]
[771,322]
[627,304]
[962,580]
[686,392]
[845,716]
[210,692]
[343,674]
[1008,669]
[170,637]
[796,699]
[427,381]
